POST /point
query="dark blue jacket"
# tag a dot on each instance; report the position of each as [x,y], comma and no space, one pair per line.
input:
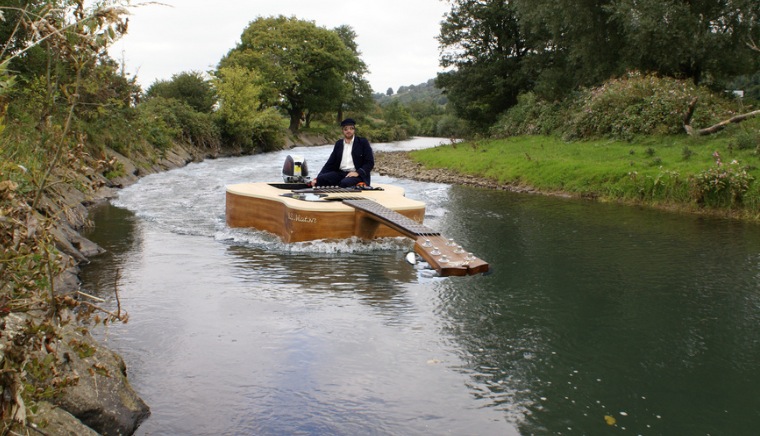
[361,152]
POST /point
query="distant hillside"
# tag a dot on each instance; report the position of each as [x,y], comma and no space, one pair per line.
[424,92]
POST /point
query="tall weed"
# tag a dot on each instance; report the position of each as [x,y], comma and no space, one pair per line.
[721,185]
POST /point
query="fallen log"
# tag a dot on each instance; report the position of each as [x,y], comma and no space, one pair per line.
[714,128]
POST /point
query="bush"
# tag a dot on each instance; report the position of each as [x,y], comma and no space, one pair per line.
[639,104]
[158,123]
[746,139]
[384,133]
[163,121]
[450,126]
[530,116]
[188,87]
[721,185]
[267,130]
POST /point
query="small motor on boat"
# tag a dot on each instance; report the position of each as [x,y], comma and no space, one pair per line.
[295,170]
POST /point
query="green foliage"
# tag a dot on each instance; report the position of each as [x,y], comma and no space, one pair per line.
[425,113]
[695,40]
[383,133]
[165,121]
[747,138]
[303,68]
[159,123]
[425,93]
[530,116]
[450,126]
[267,131]
[648,170]
[749,84]
[623,108]
[244,122]
[188,87]
[398,116]
[115,170]
[639,104]
[485,45]
[499,50]
[722,185]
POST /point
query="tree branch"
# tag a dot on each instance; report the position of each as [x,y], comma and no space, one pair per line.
[753,45]
[714,128]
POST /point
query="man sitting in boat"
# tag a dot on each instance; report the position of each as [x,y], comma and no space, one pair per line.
[350,162]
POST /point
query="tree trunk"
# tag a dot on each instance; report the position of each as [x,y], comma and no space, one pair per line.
[307,123]
[295,120]
[714,128]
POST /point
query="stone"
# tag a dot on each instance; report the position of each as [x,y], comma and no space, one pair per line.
[102,399]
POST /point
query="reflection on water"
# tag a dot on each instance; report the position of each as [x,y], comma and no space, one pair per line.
[598,311]
[597,318]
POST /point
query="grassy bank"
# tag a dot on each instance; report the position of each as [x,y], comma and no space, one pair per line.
[716,174]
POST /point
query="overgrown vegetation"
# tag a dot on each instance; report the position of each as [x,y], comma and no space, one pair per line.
[591,102]
[622,108]
[54,79]
[707,174]
[497,51]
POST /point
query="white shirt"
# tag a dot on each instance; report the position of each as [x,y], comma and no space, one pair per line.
[347,162]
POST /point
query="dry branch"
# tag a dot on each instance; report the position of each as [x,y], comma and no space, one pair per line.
[714,128]
[753,45]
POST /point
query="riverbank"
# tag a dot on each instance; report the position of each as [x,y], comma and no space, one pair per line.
[703,176]
[86,385]
[400,164]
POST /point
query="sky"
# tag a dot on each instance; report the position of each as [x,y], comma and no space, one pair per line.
[396,38]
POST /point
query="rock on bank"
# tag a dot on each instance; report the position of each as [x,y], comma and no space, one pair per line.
[102,400]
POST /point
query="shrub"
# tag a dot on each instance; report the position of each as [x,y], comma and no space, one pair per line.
[163,121]
[530,116]
[746,139]
[267,130]
[188,87]
[158,123]
[721,185]
[639,104]
[450,126]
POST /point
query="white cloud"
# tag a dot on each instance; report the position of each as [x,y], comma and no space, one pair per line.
[396,38]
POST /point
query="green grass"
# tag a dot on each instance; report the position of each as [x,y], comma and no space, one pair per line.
[679,171]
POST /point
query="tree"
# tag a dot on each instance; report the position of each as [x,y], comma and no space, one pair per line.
[190,87]
[499,48]
[389,92]
[689,39]
[357,92]
[304,65]
[241,110]
[574,44]
[483,42]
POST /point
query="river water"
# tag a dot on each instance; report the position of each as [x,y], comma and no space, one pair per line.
[596,319]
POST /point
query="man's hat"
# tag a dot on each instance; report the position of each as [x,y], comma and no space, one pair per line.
[348,122]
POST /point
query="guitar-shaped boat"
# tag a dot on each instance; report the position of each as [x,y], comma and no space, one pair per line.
[296,212]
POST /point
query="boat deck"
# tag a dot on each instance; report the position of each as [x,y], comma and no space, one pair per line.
[297,214]
[301,216]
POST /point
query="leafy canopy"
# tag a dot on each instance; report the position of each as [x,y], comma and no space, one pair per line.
[498,49]
[304,66]
[189,87]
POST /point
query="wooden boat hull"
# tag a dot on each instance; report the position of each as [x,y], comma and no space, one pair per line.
[262,206]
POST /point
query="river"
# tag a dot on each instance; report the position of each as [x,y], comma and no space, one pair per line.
[596,318]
